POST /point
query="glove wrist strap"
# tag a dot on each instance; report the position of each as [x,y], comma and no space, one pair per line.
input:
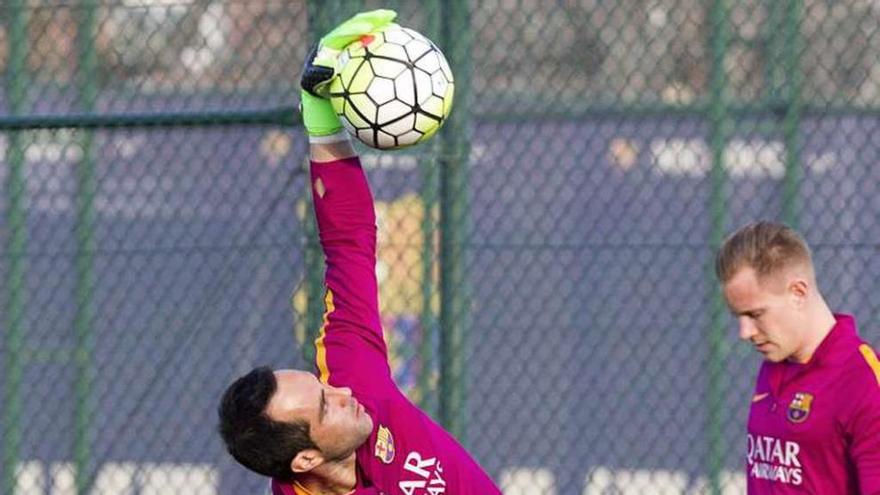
[339,137]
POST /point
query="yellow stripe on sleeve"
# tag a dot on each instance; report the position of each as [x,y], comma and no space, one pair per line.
[872,360]
[320,350]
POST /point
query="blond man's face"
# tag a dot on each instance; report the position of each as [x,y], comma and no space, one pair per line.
[769,313]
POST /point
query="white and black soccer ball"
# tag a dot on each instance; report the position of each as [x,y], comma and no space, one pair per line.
[392,89]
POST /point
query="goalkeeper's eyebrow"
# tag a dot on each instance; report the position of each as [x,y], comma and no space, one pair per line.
[322,407]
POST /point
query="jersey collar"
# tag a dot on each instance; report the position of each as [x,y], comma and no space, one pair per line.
[843,331]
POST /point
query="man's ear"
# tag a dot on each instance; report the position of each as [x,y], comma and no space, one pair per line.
[799,288]
[306,460]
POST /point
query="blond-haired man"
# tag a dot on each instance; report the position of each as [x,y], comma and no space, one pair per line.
[814,423]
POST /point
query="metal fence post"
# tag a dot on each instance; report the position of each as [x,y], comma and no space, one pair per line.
[430,168]
[792,51]
[13,359]
[85,198]
[720,127]
[453,222]
[313,258]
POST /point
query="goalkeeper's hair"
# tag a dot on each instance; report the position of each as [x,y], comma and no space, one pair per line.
[258,442]
[766,247]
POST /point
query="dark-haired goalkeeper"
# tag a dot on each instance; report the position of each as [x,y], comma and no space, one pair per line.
[348,430]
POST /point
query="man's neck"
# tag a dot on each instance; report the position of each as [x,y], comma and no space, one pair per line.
[331,478]
[820,325]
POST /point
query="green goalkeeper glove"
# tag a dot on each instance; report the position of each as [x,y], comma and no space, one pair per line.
[318,115]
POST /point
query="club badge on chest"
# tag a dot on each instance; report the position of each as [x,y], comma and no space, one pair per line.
[799,409]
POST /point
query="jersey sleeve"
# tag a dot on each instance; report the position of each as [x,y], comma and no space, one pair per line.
[350,348]
[864,430]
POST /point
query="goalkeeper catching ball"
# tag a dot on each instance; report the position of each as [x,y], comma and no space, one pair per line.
[348,430]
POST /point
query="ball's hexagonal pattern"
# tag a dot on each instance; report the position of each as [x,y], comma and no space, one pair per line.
[393,89]
[381,90]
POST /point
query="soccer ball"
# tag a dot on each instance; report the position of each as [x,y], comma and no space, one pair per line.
[393,88]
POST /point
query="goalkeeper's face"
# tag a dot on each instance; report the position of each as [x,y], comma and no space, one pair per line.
[338,423]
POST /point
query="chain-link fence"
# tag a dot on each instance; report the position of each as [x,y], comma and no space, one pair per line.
[544,265]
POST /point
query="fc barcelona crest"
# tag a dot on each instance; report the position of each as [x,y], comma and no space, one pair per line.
[384,445]
[799,408]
